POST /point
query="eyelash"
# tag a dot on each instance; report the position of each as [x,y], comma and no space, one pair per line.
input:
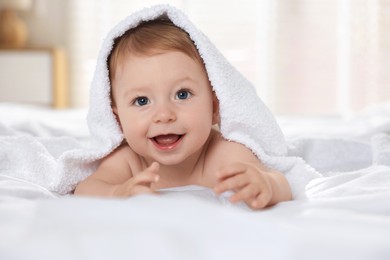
[137,100]
[188,92]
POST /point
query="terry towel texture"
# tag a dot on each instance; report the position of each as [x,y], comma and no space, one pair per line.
[244,119]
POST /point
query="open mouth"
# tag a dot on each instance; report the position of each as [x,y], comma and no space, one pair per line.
[167,142]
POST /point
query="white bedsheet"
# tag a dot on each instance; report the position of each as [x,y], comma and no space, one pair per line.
[346,214]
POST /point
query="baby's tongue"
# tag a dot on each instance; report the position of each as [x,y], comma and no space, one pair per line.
[167,139]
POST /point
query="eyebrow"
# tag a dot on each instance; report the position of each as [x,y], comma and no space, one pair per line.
[133,91]
[186,78]
[144,88]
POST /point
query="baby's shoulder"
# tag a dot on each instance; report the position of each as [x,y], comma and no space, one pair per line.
[122,153]
[220,143]
[122,150]
[222,149]
[123,158]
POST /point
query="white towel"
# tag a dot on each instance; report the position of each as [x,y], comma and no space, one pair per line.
[244,117]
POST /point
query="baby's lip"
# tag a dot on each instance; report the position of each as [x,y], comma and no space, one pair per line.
[166,139]
[167,142]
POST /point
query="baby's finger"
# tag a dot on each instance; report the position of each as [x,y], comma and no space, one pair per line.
[136,185]
[230,170]
[261,201]
[232,183]
[141,189]
[146,178]
[154,167]
[245,194]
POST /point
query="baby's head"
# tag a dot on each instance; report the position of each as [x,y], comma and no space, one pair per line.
[150,38]
[160,90]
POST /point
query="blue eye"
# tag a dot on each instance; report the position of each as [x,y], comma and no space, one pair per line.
[141,101]
[183,94]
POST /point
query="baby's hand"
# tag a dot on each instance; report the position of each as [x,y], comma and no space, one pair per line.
[250,184]
[140,183]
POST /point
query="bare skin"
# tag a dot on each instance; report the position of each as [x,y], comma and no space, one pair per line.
[167,111]
[228,166]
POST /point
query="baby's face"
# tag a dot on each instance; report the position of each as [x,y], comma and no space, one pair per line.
[165,106]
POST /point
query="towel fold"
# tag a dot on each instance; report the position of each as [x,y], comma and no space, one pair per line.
[243,118]
[381,149]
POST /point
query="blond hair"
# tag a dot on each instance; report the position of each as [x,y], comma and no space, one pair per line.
[149,38]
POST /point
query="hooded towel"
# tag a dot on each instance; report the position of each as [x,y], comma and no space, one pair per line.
[243,116]
[59,164]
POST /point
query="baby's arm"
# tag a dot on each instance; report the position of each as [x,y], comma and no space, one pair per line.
[114,178]
[251,181]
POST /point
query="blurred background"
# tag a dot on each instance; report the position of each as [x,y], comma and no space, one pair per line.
[305,57]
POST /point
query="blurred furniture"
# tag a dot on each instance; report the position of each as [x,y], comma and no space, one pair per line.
[13,31]
[34,75]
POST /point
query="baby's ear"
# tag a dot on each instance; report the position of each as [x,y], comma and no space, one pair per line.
[115,111]
[216,117]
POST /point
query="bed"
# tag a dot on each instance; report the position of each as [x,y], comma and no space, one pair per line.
[345,214]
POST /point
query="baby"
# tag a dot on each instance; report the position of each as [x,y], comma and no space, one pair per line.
[166,108]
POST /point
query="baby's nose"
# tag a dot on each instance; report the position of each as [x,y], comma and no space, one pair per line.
[164,114]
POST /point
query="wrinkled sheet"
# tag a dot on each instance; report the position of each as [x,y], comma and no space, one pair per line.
[346,214]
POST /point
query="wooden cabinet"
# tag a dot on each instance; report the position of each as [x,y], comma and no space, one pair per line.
[34,75]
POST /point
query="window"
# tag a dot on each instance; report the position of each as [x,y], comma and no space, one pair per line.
[305,57]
